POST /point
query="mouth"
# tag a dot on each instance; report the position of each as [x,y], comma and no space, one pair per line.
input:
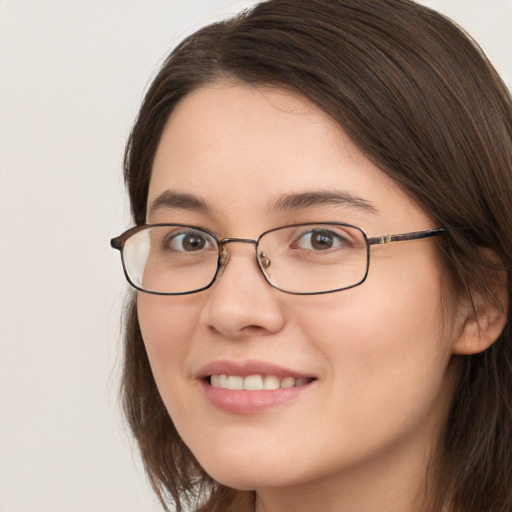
[256,382]
[251,386]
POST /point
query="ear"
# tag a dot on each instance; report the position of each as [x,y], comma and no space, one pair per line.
[482,315]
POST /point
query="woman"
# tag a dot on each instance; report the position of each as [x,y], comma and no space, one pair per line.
[321,192]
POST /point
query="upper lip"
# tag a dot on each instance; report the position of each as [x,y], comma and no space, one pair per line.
[246,368]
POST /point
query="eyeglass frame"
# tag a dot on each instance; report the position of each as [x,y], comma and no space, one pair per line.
[119,242]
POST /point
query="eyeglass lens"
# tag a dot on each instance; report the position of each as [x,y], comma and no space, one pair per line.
[310,258]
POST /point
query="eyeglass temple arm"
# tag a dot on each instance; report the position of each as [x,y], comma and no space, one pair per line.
[415,235]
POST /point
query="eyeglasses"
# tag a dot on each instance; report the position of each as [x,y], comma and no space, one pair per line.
[302,259]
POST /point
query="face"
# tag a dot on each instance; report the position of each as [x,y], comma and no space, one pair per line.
[369,365]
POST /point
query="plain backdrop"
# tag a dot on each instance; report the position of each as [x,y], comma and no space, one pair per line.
[72,75]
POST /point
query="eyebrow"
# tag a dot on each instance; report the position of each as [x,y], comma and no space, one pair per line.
[321,198]
[176,200]
[286,202]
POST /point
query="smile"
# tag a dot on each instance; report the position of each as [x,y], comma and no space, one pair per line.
[251,386]
[256,382]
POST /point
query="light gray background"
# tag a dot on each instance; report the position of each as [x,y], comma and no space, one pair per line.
[72,74]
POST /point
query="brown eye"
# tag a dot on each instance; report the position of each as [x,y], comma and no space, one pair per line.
[320,240]
[187,242]
[193,242]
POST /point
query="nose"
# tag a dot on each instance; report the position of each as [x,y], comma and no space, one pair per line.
[241,303]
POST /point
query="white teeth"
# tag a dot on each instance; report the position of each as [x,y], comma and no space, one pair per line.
[271,382]
[256,382]
[235,382]
[253,382]
[288,382]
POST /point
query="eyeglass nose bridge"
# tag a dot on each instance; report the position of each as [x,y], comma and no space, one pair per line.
[224,254]
[262,259]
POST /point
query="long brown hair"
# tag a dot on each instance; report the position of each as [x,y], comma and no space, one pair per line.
[423,103]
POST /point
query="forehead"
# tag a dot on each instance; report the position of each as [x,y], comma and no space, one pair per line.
[240,148]
[236,124]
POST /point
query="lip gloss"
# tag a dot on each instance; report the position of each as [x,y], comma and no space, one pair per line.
[250,401]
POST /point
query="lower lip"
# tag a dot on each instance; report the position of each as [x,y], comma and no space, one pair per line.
[250,402]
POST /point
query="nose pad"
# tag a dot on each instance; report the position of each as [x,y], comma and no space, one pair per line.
[264,261]
[223,260]
[224,257]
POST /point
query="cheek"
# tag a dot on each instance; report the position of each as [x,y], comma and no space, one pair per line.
[167,326]
[386,343]
[398,305]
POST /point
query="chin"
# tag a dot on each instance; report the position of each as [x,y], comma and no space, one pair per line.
[247,480]
[250,473]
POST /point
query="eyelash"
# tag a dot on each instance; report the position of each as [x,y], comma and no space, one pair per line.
[338,239]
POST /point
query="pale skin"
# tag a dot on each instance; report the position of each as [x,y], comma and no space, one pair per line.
[360,436]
